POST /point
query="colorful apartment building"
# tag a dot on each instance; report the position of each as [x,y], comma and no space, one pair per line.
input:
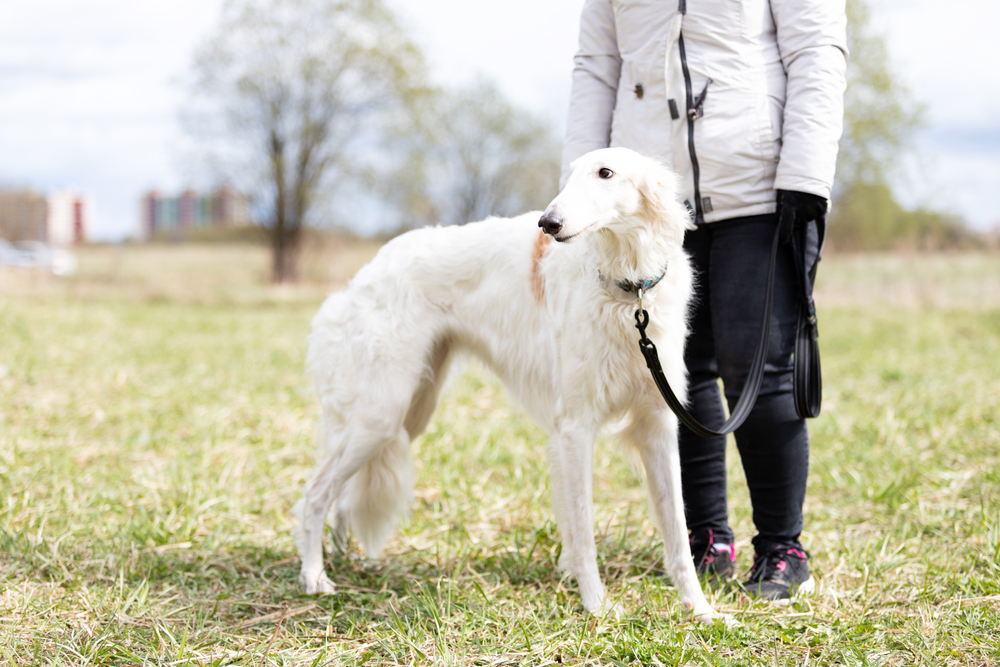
[164,216]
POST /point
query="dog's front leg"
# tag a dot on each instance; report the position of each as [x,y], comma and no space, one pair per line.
[656,439]
[570,451]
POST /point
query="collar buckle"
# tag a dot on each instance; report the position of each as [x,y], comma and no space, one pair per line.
[643,286]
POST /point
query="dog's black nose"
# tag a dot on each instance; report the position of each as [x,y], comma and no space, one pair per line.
[550,223]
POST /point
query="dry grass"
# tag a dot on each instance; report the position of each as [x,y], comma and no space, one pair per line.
[156,427]
[211,274]
[911,280]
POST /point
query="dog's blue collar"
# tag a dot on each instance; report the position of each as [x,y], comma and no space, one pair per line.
[645,285]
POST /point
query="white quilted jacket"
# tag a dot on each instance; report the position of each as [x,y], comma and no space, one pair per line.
[770,75]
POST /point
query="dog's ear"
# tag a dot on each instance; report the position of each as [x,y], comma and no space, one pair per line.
[659,203]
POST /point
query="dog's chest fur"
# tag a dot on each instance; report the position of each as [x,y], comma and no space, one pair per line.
[598,356]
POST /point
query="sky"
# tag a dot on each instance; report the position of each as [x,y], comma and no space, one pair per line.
[91,90]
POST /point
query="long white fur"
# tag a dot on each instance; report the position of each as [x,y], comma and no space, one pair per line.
[547,317]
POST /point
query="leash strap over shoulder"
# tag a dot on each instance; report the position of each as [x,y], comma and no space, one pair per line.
[749,395]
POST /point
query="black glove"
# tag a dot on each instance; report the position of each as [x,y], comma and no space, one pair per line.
[797,208]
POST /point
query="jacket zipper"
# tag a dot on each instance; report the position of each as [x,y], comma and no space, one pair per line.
[693,112]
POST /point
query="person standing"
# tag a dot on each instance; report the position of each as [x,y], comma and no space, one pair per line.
[743,99]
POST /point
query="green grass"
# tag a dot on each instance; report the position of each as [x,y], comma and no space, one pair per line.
[156,426]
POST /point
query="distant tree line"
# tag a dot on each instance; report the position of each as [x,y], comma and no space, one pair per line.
[300,103]
[880,118]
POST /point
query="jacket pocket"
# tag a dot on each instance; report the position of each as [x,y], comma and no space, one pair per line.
[735,145]
[642,119]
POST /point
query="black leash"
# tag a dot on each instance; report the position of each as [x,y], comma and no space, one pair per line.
[808,379]
[807,382]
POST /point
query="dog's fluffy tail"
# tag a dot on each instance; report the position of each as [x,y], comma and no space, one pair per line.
[378,496]
[373,501]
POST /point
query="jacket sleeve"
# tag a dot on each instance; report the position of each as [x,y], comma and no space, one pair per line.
[812,39]
[596,68]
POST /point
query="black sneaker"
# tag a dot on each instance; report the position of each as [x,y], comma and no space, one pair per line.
[780,574]
[714,560]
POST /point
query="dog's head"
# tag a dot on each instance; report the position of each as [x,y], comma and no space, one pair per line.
[615,189]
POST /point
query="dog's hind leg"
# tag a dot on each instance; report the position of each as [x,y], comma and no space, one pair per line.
[354,450]
[368,472]
[340,518]
[372,502]
[655,437]
[425,398]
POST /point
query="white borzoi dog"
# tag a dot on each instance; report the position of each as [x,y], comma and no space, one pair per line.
[543,309]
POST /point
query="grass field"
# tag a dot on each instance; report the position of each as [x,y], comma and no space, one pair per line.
[156,426]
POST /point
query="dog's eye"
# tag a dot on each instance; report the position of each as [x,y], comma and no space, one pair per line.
[605,173]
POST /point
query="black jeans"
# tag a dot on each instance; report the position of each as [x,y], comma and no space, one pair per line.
[730,260]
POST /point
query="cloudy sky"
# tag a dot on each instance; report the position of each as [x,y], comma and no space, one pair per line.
[90,92]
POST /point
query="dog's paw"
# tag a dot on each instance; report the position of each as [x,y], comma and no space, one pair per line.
[607,610]
[711,616]
[319,585]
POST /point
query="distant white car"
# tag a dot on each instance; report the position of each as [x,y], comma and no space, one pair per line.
[35,254]
[11,256]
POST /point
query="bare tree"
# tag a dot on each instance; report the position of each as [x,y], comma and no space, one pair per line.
[287,96]
[469,154]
